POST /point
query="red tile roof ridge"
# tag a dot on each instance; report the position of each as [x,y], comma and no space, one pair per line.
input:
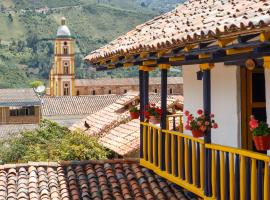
[71,162]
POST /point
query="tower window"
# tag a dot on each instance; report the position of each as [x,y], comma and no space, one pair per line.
[66,68]
[155,90]
[65,50]
[65,43]
[66,89]
[93,92]
[110,91]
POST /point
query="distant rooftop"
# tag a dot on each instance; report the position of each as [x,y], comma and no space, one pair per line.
[18,97]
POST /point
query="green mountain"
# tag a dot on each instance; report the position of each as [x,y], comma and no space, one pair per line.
[28,28]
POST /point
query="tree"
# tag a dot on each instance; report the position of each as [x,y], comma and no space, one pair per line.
[51,142]
[35,84]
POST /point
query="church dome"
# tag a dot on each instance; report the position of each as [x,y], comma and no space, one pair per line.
[63,30]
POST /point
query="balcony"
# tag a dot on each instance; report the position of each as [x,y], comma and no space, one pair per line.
[210,171]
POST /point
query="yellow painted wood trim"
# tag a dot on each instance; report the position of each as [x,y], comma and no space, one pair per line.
[222,176]
[266,181]
[213,173]
[266,62]
[146,68]
[166,152]
[144,54]
[159,148]
[202,56]
[264,36]
[180,162]
[253,180]
[231,176]
[154,146]
[186,158]
[193,163]
[111,66]
[149,143]
[242,178]
[175,59]
[206,66]
[189,47]
[238,51]
[144,142]
[128,64]
[172,161]
[164,66]
[223,42]
[202,166]
[149,62]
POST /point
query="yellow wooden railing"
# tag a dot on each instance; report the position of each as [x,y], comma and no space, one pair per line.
[208,170]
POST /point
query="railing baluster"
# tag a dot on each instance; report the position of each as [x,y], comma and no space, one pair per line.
[248,178]
[166,152]
[154,153]
[194,163]
[259,180]
[266,181]
[227,175]
[218,175]
[237,177]
[180,163]
[253,179]
[159,136]
[183,166]
[190,163]
[172,155]
[176,153]
[231,176]
[222,176]
[242,178]
[213,173]
[144,143]
[174,123]
[202,147]
[186,160]
[198,163]
[149,143]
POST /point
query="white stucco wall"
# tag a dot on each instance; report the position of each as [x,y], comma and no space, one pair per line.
[267,94]
[225,100]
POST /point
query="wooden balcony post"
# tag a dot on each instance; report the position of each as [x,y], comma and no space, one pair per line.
[164,81]
[207,138]
[141,88]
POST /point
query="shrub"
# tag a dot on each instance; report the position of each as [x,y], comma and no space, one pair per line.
[51,142]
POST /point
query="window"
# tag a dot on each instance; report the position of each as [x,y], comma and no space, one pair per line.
[78,92]
[66,89]
[22,111]
[65,50]
[125,91]
[66,68]
[155,90]
[93,92]
[110,91]
[171,90]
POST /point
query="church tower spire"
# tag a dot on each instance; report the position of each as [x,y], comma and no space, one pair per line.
[62,77]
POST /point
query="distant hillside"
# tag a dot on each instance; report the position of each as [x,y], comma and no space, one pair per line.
[28,27]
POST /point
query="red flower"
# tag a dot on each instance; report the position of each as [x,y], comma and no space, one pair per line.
[207,123]
[186,113]
[187,127]
[147,106]
[200,112]
[190,118]
[253,123]
[153,104]
[215,125]
[146,114]
[212,115]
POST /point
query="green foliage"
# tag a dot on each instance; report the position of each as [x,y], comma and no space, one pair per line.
[51,142]
[35,84]
[262,129]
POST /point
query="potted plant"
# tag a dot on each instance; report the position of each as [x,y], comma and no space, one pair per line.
[261,134]
[134,112]
[153,113]
[198,125]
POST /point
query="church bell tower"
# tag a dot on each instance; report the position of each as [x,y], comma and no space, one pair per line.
[62,78]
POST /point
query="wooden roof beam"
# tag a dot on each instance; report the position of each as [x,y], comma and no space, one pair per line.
[245,38]
[239,50]
[264,36]
[223,42]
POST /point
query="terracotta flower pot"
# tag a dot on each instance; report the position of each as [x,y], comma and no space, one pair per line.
[262,143]
[154,120]
[134,115]
[197,133]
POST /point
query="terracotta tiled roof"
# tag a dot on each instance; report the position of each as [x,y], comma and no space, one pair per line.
[18,97]
[125,138]
[125,81]
[111,179]
[193,21]
[76,105]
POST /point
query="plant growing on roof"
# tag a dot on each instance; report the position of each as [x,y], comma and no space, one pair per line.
[261,134]
[153,113]
[198,125]
[134,112]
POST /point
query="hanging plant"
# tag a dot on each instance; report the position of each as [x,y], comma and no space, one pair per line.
[261,134]
[153,113]
[134,112]
[198,125]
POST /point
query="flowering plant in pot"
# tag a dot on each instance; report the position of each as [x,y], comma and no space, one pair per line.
[198,125]
[261,134]
[134,112]
[153,113]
